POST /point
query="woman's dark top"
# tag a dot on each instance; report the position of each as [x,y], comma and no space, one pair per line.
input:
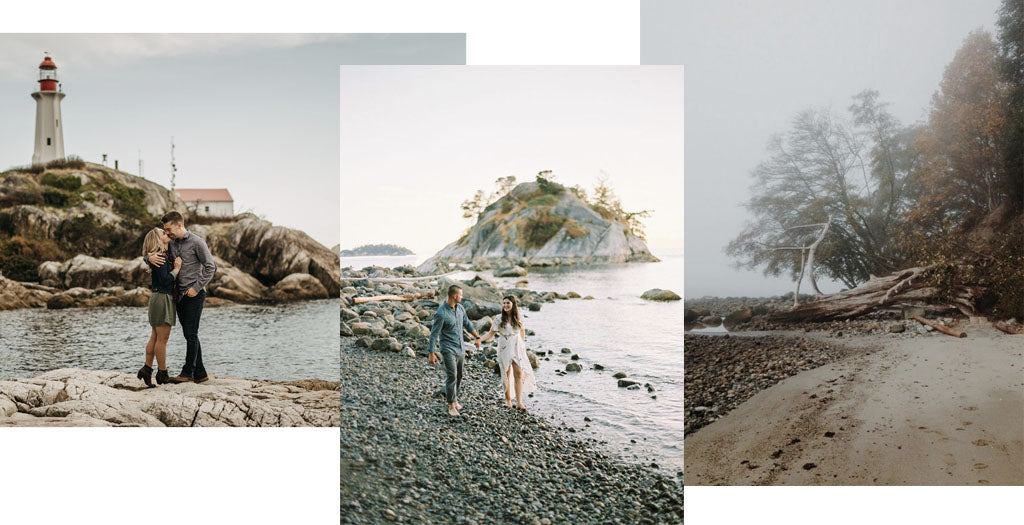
[163,279]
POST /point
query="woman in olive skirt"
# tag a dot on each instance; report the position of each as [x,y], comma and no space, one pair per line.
[161,305]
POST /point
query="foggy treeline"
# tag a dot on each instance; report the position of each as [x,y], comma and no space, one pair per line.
[946,193]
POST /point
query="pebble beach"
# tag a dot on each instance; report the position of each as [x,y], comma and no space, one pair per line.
[403,459]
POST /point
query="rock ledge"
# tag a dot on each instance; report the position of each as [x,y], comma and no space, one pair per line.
[76,397]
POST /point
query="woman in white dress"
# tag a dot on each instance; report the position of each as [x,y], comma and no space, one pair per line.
[512,359]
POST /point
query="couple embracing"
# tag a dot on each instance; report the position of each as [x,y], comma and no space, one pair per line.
[181,266]
[513,363]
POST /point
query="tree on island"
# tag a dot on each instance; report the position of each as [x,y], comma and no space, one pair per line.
[939,203]
[604,200]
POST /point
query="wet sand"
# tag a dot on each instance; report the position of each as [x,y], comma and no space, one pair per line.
[927,410]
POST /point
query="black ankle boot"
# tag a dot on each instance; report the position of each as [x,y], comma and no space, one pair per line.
[161,377]
[146,374]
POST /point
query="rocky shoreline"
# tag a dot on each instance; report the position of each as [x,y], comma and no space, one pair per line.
[70,237]
[723,371]
[75,397]
[404,459]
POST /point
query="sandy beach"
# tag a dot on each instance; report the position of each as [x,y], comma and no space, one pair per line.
[924,410]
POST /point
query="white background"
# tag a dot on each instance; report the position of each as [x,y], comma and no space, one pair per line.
[292,475]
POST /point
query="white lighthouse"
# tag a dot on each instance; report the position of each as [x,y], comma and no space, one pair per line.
[49,131]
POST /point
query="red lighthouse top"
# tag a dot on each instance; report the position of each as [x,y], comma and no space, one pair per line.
[47,75]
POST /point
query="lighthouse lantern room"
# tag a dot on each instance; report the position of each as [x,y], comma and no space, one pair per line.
[49,143]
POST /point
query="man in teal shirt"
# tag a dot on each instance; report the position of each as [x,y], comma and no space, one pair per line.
[449,322]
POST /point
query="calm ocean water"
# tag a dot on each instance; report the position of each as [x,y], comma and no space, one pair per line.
[618,330]
[272,342]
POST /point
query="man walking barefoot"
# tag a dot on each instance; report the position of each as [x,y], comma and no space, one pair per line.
[449,321]
[197,269]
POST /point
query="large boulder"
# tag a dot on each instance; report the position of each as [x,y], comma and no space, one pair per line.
[136,273]
[89,272]
[233,284]
[510,271]
[298,286]
[480,297]
[51,273]
[657,294]
[15,295]
[272,253]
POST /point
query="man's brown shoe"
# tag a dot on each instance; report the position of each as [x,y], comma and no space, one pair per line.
[179,379]
[202,379]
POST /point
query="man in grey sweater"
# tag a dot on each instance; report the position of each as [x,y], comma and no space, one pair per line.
[197,269]
[449,322]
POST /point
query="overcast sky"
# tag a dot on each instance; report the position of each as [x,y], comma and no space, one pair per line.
[752,65]
[257,114]
[417,141]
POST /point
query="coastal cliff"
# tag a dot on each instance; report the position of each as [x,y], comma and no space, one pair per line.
[538,224]
[70,234]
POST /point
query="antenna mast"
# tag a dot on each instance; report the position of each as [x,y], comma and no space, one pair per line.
[174,167]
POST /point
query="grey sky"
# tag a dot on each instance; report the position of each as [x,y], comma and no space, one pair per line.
[257,114]
[752,65]
[417,141]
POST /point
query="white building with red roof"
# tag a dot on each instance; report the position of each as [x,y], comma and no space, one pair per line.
[209,202]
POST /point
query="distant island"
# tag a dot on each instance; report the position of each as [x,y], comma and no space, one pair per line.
[377,249]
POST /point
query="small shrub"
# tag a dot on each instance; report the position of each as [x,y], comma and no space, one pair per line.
[85,234]
[64,182]
[60,198]
[575,229]
[209,219]
[30,196]
[20,257]
[90,196]
[540,228]
[6,224]
[130,202]
[546,200]
[549,186]
[72,162]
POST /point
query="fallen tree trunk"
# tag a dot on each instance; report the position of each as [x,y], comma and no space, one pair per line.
[406,297]
[893,292]
[940,327]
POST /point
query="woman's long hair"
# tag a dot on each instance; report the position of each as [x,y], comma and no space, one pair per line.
[511,316]
[152,244]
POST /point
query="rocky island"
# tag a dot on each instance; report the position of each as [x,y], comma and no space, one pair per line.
[70,233]
[377,249]
[543,223]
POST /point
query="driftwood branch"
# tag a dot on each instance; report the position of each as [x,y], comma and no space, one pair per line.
[1008,328]
[940,327]
[399,279]
[406,297]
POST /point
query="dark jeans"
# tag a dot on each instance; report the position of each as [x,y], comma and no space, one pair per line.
[453,365]
[190,309]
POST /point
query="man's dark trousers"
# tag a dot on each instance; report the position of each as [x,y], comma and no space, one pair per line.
[453,365]
[190,309]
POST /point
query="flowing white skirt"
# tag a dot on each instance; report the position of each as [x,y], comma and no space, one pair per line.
[512,349]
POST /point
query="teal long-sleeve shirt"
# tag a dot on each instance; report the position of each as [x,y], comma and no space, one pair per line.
[447,328]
